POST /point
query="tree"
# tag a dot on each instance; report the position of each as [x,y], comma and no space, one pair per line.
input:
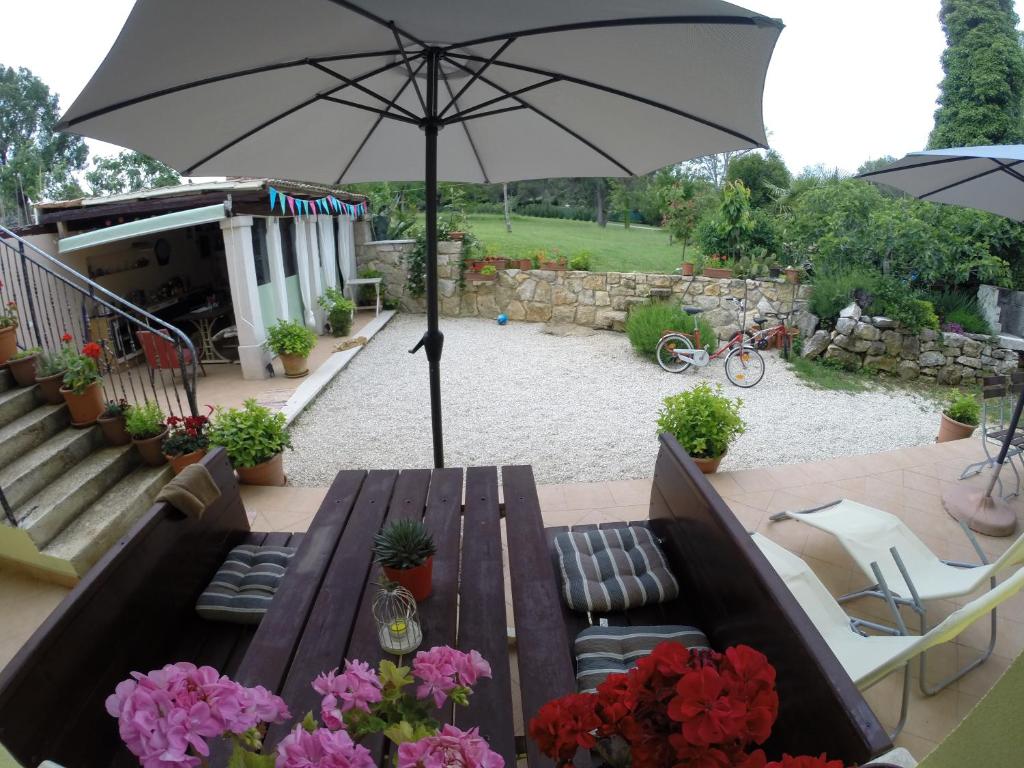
[35,161]
[980,101]
[713,167]
[876,165]
[685,204]
[760,174]
[128,171]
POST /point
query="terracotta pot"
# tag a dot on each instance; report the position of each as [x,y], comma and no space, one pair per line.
[479,277]
[717,272]
[270,472]
[498,263]
[708,466]
[49,388]
[774,272]
[8,343]
[792,276]
[418,580]
[23,370]
[686,269]
[456,236]
[149,449]
[178,463]
[294,366]
[86,407]
[953,430]
[521,264]
[113,430]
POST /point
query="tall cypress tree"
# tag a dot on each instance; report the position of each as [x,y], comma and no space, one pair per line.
[984,83]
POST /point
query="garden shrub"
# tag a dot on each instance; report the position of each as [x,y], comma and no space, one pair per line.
[970,320]
[894,299]
[960,308]
[835,290]
[580,261]
[647,322]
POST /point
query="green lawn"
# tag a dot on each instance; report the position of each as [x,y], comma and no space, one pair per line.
[612,249]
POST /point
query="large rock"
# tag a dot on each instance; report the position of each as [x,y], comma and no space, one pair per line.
[853,310]
[953,339]
[848,360]
[536,312]
[816,344]
[950,374]
[880,363]
[585,315]
[563,313]
[972,348]
[883,322]
[609,318]
[516,310]
[866,331]
[970,362]
[893,341]
[931,359]
[911,348]
[851,344]
[907,370]
[846,326]
[806,323]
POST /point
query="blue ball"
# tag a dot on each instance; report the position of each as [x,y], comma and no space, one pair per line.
[502,319]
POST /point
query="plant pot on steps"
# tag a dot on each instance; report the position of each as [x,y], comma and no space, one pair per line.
[49,388]
[8,343]
[270,472]
[113,430]
[181,461]
[418,580]
[953,430]
[295,366]
[23,370]
[149,449]
[86,407]
[708,466]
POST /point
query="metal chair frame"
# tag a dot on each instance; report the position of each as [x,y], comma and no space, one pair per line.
[998,388]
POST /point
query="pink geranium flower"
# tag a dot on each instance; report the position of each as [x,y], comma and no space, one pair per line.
[442,669]
[451,748]
[356,688]
[321,749]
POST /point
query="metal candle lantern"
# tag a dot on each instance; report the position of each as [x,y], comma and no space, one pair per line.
[398,626]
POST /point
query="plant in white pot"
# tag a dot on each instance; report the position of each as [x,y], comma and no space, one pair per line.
[704,421]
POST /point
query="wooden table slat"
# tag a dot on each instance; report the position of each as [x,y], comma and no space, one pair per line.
[443,518]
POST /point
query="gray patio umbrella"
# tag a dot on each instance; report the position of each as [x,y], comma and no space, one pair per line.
[989,179]
[335,91]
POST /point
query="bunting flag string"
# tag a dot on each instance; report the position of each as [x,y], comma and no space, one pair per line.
[323,205]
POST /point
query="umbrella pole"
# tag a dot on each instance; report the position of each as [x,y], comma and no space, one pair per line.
[433,339]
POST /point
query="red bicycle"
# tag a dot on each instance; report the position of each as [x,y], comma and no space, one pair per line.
[744,366]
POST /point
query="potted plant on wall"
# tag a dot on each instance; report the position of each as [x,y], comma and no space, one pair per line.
[959,418]
[82,390]
[8,330]
[186,441]
[339,311]
[111,422]
[255,438]
[792,274]
[717,267]
[292,342]
[405,549]
[485,275]
[22,366]
[704,421]
[145,424]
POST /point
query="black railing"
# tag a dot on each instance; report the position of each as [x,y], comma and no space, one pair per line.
[144,358]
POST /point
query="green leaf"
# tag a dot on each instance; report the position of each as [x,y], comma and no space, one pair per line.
[309,722]
[394,676]
[243,758]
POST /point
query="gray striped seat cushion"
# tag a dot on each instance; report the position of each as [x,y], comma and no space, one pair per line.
[602,651]
[243,587]
[613,569]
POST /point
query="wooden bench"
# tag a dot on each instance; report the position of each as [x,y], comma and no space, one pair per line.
[134,610]
[728,590]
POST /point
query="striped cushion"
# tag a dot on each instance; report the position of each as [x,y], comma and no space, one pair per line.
[243,587]
[602,651]
[613,569]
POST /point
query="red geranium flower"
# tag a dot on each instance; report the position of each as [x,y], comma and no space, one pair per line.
[805,761]
[565,725]
[93,350]
[66,338]
[708,715]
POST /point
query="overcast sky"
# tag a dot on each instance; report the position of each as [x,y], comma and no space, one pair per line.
[849,81]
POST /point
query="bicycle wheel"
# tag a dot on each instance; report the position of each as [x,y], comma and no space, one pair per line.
[744,367]
[665,352]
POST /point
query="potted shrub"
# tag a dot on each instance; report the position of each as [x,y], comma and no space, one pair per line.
[405,550]
[339,311]
[82,390]
[959,418]
[50,367]
[8,330]
[111,422]
[22,365]
[292,342]
[792,274]
[716,267]
[704,421]
[485,275]
[145,424]
[254,438]
[186,441]
[686,269]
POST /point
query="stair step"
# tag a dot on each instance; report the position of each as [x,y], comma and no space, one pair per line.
[51,510]
[31,430]
[15,403]
[33,471]
[99,527]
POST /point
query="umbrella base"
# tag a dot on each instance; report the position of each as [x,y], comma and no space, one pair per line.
[984,514]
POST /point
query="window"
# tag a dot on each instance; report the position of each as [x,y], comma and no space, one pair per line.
[291,263]
[259,251]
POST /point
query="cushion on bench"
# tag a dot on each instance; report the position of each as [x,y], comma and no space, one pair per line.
[613,569]
[243,587]
[602,651]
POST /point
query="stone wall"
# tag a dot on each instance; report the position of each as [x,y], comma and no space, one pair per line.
[880,344]
[591,299]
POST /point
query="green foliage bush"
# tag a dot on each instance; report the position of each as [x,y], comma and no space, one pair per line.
[883,295]
[703,420]
[339,311]
[963,408]
[580,261]
[894,300]
[834,290]
[250,435]
[647,322]
[144,421]
[290,337]
[956,307]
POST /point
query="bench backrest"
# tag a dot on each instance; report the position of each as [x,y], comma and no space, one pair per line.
[126,614]
[736,598]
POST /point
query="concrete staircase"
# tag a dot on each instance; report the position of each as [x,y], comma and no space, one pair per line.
[72,495]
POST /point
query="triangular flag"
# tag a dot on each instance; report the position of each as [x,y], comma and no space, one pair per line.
[291,203]
[281,196]
[273,198]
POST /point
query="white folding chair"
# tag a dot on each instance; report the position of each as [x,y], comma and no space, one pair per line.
[913,572]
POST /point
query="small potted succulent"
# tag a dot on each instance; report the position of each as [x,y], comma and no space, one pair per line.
[704,421]
[292,342]
[339,311]
[405,550]
[186,441]
[959,418]
[8,330]
[255,438]
[111,422]
[22,365]
[50,367]
[145,424]
[81,389]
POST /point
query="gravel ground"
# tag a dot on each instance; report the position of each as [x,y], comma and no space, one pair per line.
[576,408]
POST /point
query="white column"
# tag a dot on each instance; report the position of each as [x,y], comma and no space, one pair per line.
[276,258]
[316,275]
[305,282]
[325,225]
[346,250]
[245,298]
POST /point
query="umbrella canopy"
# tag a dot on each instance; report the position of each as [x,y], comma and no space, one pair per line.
[466,90]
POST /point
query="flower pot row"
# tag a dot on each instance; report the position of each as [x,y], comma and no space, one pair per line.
[687,268]
[476,265]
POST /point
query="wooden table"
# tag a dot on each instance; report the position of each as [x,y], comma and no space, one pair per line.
[204,319]
[322,611]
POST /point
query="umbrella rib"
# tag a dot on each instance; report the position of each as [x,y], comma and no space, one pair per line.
[376,19]
[489,113]
[975,177]
[465,128]
[925,164]
[615,92]
[376,122]
[360,87]
[374,110]
[462,114]
[475,77]
[63,125]
[408,66]
[547,117]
